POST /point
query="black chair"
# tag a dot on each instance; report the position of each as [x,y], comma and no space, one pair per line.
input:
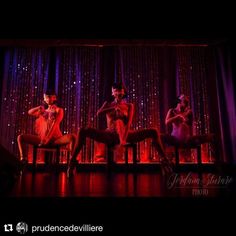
[188,146]
[56,153]
[110,153]
[178,146]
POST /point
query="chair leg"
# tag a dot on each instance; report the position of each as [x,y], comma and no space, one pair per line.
[134,154]
[110,156]
[57,159]
[176,156]
[199,156]
[57,156]
[68,154]
[126,156]
[34,157]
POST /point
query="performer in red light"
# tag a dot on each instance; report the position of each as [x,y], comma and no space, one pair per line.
[181,119]
[47,126]
[119,115]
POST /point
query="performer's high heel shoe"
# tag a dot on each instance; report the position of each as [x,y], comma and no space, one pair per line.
[22,165]
[71,167]
[24,161]
[166,166]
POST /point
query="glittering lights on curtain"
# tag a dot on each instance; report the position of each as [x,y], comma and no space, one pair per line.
[139,68]
[25,78]
[191,76]
[78,83]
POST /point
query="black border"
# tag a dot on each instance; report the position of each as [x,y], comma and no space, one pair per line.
[121,215]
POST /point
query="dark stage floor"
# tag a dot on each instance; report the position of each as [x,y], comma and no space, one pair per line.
[145,181]
[122,199]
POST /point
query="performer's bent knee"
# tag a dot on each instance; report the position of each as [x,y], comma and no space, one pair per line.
[154,132]
[20,138]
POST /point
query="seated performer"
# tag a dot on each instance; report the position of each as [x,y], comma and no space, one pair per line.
[47,126]
[119,115]
[181,119]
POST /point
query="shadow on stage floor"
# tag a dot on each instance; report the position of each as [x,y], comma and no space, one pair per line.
[123,181]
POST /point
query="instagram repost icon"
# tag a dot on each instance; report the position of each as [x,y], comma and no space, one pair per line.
[8,227]
[21,227]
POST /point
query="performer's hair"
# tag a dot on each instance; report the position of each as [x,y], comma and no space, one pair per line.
[186,98]
[50,92]
[119,86]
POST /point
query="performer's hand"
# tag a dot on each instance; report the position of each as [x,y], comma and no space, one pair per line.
[123,140]
[184,118]
[41,109]
[44,141]
[181,118]
[41,143]
[117,108]
[120,152]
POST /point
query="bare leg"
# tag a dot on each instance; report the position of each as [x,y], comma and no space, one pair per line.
[152,133]
[98,135]
[168,139]
[140,135]
[66,139]
[200,139]
[26,139]
[208,138]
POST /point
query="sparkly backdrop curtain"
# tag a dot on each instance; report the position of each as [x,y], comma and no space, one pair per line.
[153,75]
[226,60]
[192,78]
[78,78]
[144,72]
[25,77]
